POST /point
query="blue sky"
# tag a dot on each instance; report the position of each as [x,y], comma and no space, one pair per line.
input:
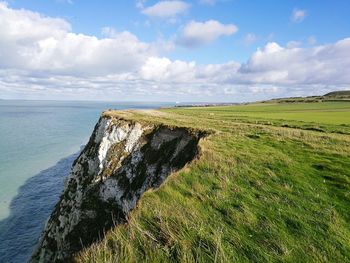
[173,38]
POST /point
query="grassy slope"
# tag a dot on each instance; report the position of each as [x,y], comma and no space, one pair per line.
[340,93]
[258,193]
[343,95]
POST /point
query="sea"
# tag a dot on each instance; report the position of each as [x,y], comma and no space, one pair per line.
[39,140]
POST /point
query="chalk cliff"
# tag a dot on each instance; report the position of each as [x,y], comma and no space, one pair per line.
[121,161]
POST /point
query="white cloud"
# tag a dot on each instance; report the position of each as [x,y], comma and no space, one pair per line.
[29,40]
[321,65]
[274,65]
[163,69]
[298,15]
[166,9]
[41,58]
[272,68]
[200,33]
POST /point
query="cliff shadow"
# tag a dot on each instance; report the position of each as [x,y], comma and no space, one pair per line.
[29,210]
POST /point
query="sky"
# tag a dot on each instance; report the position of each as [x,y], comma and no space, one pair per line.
[186,51]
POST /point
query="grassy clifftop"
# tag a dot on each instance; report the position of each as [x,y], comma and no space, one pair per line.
[272,184]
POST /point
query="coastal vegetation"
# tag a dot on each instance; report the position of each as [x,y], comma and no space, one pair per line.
[272,184]
[342,95]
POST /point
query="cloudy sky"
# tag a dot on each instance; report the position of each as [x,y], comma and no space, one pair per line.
[200,50]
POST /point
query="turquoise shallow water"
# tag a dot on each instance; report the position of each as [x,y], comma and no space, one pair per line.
[39,140]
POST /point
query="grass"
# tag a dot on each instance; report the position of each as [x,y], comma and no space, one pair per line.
[328,116]
[267,188]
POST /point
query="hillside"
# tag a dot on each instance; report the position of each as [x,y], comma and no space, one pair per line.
[342,93]
[272,184]
[331,96]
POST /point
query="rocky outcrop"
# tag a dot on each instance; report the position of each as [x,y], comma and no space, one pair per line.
[122,160]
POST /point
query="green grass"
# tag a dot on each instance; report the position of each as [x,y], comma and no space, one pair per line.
[259,193]
[320,113]
[327,116]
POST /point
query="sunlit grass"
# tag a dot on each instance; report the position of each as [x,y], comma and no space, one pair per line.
[259,193]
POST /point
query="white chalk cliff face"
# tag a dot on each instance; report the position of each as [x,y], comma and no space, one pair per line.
[122,160]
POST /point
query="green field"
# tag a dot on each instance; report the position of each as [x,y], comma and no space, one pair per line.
[320,113]
[272,184]
[330,116]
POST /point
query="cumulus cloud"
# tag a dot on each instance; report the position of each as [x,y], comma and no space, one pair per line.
[321,65]
[40,57]
[271,71]
[298,15]
[271,65]
[200,33]
[166,9]
[163,69]
[29,40]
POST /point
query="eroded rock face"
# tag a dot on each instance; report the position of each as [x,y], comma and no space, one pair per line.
[121,161]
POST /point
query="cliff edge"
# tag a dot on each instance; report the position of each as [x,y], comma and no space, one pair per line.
[123,159]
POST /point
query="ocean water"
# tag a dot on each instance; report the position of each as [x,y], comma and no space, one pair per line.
[39,141]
